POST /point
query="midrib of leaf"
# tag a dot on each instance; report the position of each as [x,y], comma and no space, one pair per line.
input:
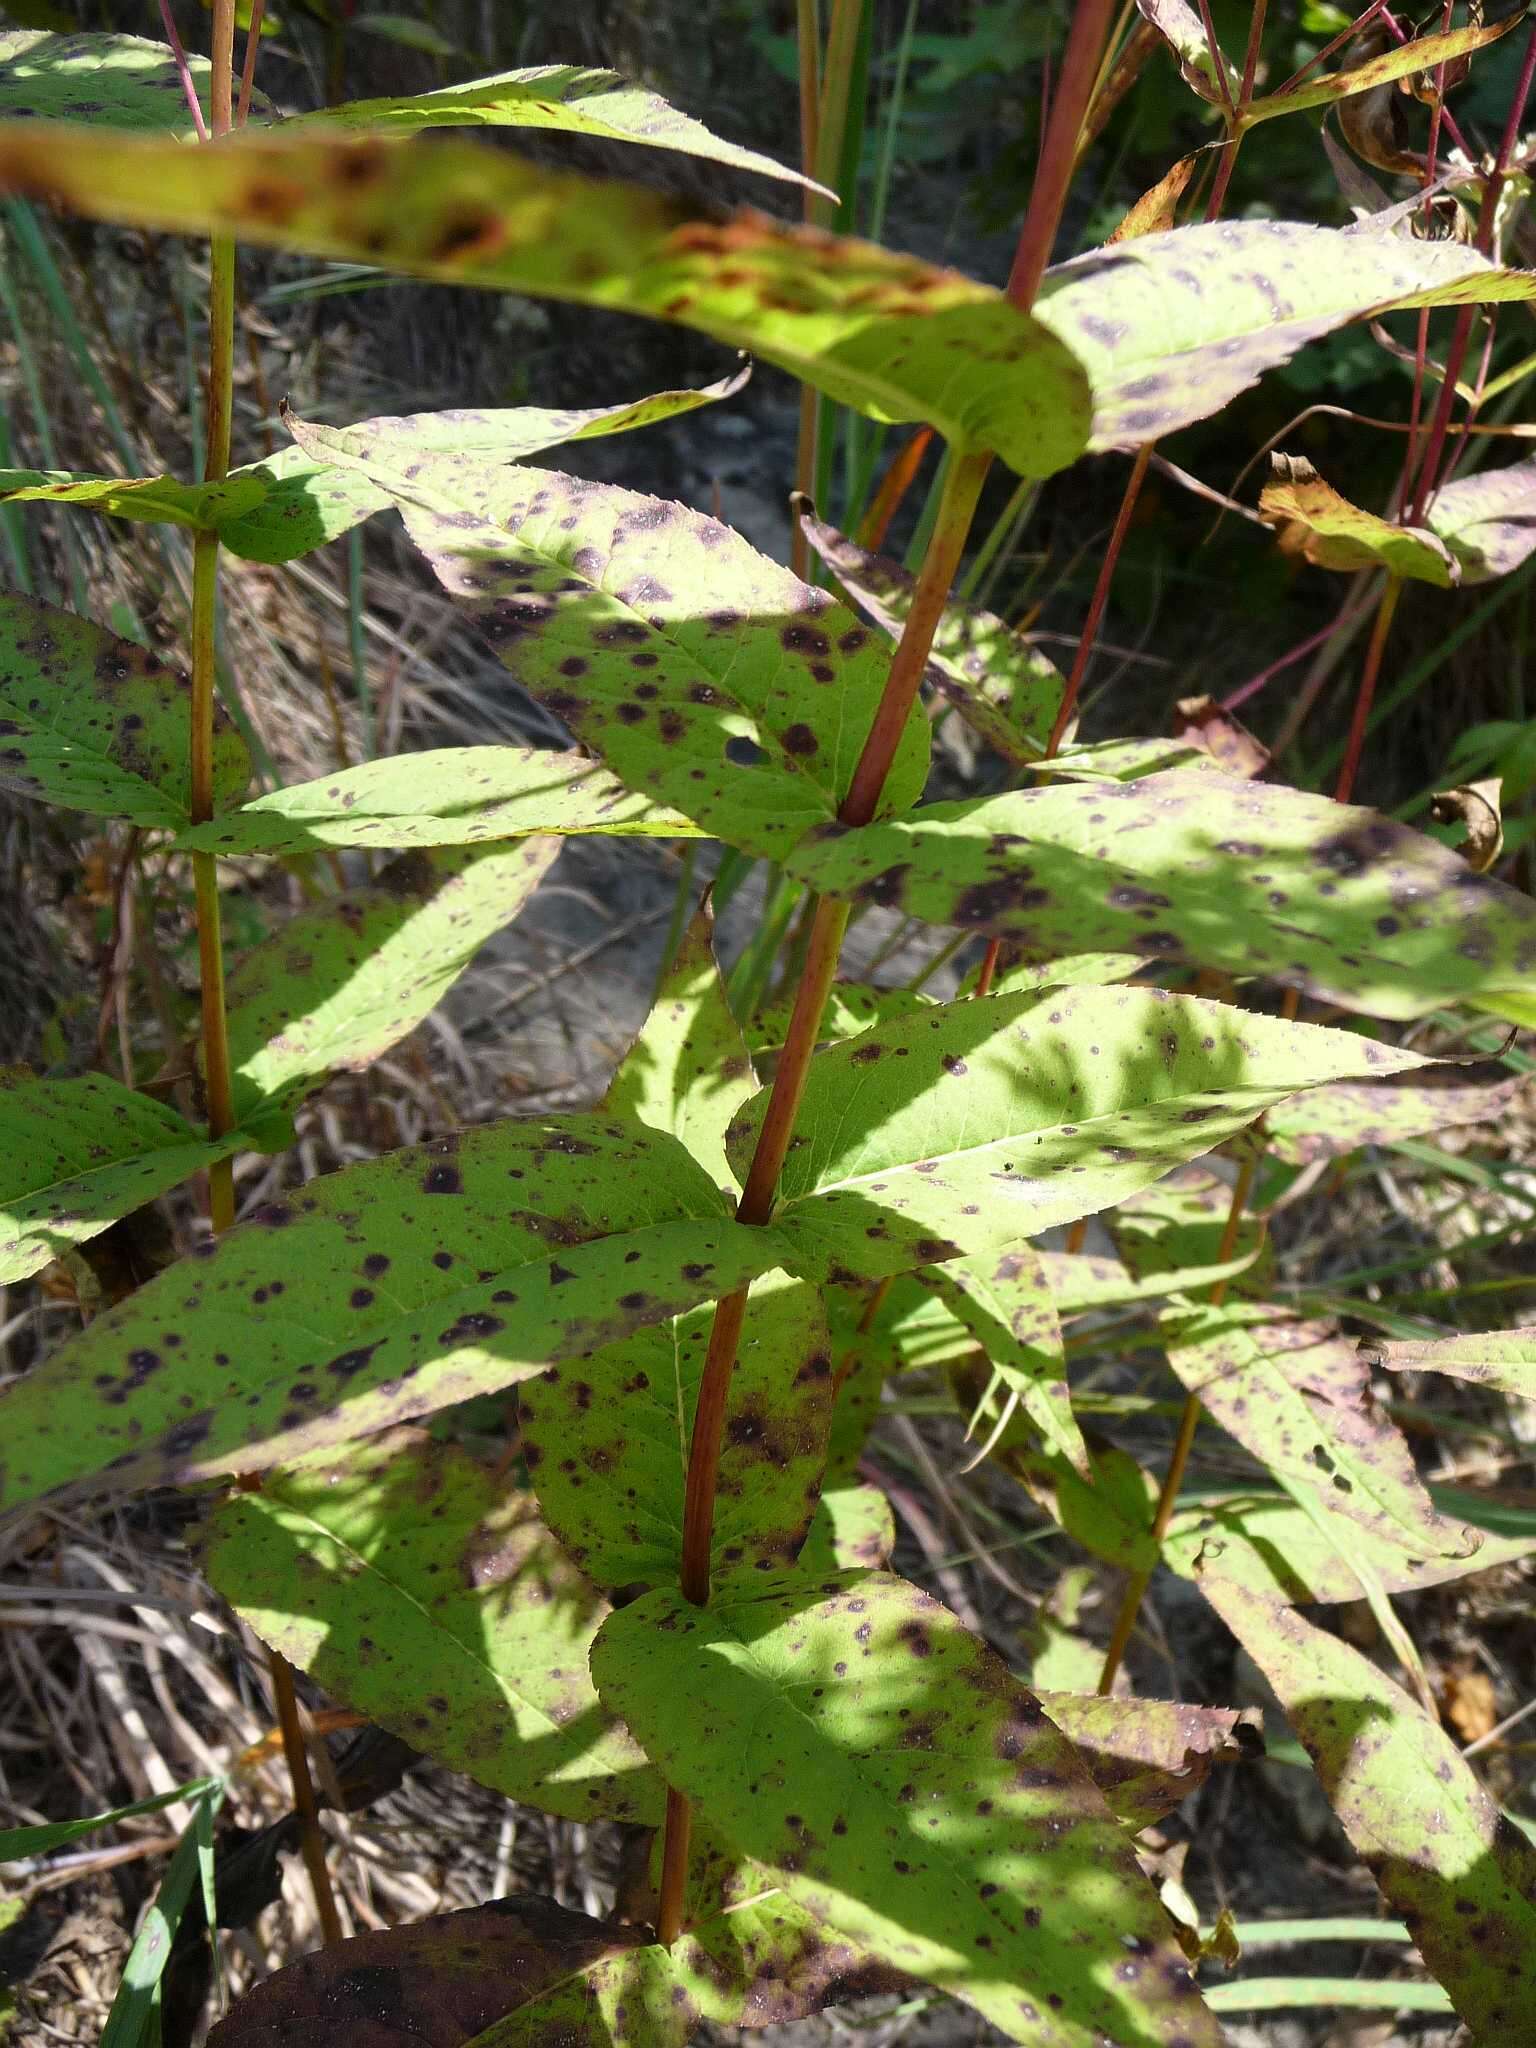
[193,1142]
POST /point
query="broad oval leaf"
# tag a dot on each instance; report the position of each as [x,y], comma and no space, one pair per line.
[977,1123]
[572,99]
[113,81]
[1216,871]
[415,1586]
[1461,1875]
[703,673]
[1488,521]
[447,796]
[606,1441]
[890,335]
[851,1735]
[1502,1359]
[1313,520]
[98,724]
[1329,1121]
[76,1154]
[158,500]
[341,983]
[375,1295]
[544,1974]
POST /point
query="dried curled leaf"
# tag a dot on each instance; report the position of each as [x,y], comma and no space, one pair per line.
[1315,521]
[1477,807]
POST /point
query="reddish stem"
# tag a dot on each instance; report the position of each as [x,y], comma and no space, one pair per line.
[894,486]
[1074,89]
[1100,598]
[1367,691]
[248,68]
[183,70]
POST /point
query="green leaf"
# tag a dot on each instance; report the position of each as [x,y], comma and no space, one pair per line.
[977,1123]
[308,500]
[94,723]
[703,673]
[606,1441]
[1129,760]
[375,1295]
[570,98]
[517,1969]
[1297,1396]
[851,1008]
[17,1843]
[906,1790]
[415,1586]
[1502,1359]
[1488,521]
[1314,521]
[1331,1121]
[340,984]
[1171,327]
[1006,1304]
[159,500]
[447,796]
[136,2005]
[1172,1237]
[689,1070]
[1145,1756]
[890,335]
[1206,870]
[853,1529]
[1422,54]
[1000,684]
[76,1154]
[112,81]
[1462,1877]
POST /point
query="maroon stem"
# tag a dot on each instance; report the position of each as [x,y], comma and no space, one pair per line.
[1100,598]
[1058,154]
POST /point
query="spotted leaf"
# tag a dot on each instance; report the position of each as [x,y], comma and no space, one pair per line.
[112,81]
[413,1585]
[905,1789]
[1488,520]
[1502,1359]
[1180,26]
[1330,1121]
[157,500]
[1422,54]
[378,1294]
[1313,520]
[1209,870]
[1147,1756]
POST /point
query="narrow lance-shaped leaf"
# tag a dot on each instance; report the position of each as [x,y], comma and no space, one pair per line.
[978,1123]
[76,1154]
[341,983]
[95,723]
[1329,1121]
[378,1294]
[704,674]
[157,500]
[449,796]
[1313,520]
[421,1591]
[1422,54]
[1502,1359]
[849,1734]
[998,682]
[890,335]
[1488,521]
[689,1070]
[307,500]
[569,98]
[1461,1875]
[1210,870]
[1297,1395]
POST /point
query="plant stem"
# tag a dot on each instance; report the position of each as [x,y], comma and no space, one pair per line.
[1100,599]
[1058,152]
[1366,693]
[1236,116]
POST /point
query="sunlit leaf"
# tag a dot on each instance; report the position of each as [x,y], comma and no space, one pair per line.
[378,1294]
[853,1528]
[1145,1756]
[1462,1877]
[113,81]
[159,500]
[851,1008]
[1422,54]
[1182,29]
[340,983]
[1488,520]
[77,1153]
[848,1733]
[892,336]
[416,1587]
[1502,1359]
[96,723]
[1210,870]
[1177,1238]
[1330,1121]
[1313,520]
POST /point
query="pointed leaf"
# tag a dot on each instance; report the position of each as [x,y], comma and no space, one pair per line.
[1488,521]
[158,500]
[1462,1876]
[606,1441]
[307,500]
[890,335]
[704,674]
[378,1294]
[448,796]
[977,1123]
[444,1980]
[570,98]
[1313,520]
[414,1586]
[1422,54]
[1325,897]
[689,1071]
[1502,1359]
[76,1154]
[997,681]
[18,1843]
[902,1786]
[113,81]
[340,984]
[1177,22]
[1330,1121]
[1297,1396]
[1145,1756]
[95,723]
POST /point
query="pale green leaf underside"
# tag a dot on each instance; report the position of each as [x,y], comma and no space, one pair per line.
[848,1733]
[1502,1359]
[375,1295]
[448,796]
[1217,872]
[415,1587]
[157,500]
[1331,1121]
[77,1154]
[1488,521]
[1184,32]
[888,334]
